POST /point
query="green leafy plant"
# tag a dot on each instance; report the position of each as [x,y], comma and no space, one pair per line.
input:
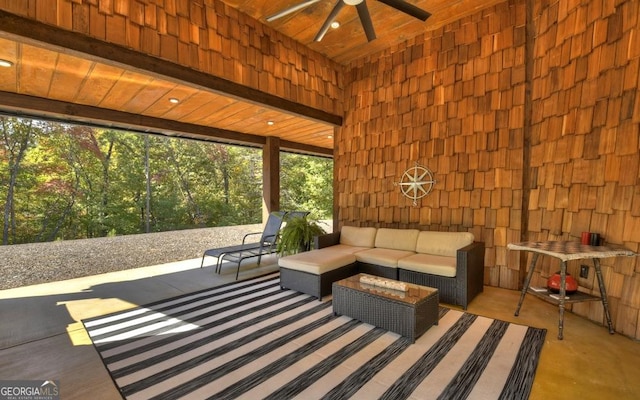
[297,235]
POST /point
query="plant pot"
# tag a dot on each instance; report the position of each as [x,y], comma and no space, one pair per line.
[297,235]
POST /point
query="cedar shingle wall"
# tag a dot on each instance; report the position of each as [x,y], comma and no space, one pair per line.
[454,101]
[205,35]
[585,159]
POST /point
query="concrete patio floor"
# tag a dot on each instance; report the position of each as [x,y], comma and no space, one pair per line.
[42,336]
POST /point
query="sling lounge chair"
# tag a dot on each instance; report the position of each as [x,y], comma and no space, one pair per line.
[248,249]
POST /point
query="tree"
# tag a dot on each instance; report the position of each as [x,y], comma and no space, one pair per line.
[52,196]
[77,181]
[307,184]
[17,137]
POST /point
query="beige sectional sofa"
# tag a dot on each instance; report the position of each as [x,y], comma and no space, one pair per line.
[449,261]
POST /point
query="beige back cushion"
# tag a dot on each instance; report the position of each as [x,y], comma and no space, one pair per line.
[357,236]
[443,243]
[397,239]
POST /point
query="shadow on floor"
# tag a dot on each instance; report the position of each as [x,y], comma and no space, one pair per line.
[42,311]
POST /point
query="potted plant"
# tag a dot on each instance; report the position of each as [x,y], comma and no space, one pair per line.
[297,235]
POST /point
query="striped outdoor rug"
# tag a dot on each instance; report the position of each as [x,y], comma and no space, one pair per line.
[252,340]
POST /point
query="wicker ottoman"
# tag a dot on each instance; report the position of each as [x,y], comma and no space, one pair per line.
[313,272]
[409,313]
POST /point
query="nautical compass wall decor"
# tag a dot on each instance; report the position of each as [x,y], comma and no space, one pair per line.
[416,182]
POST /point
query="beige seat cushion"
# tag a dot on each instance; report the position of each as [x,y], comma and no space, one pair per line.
[345,248]
[429,264]
[358,236]
[442,243]
[317,261]
[383,257]
[397,239]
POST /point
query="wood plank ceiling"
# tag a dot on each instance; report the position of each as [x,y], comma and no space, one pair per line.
[45,72]
[50,74]
[348,42]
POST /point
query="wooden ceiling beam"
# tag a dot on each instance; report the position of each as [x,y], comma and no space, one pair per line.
[302,148]
[123,57]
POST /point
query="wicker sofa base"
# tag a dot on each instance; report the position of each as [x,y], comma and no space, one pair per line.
[312,284]
[377,270]
[450,289]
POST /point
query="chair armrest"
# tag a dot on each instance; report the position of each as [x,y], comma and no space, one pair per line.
[470,259]
[326,240]
[470,271]
[250,234]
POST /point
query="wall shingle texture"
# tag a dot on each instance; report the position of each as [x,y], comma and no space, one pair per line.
[585,142]
[454,101]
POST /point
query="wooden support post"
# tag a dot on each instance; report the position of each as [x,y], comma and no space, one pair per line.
[526,149]
[270,177]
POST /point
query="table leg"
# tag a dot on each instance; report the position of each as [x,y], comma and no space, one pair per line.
[527,282]
[603,294]
[563,293]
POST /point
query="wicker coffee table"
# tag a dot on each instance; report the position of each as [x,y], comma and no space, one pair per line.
[408,313]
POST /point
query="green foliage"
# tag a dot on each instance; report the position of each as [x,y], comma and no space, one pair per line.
[297,235]
[17,139]
[61,181]
[307,184]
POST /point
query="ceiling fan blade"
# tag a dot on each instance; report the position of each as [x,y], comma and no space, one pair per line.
[365,19]
[407,8]
[290,10]
[329,20]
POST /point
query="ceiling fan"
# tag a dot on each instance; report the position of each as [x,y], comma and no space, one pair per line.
[363,13]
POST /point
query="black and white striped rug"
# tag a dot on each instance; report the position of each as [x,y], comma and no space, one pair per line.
[252,340]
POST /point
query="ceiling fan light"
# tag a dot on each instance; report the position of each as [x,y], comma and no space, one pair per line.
[352,2]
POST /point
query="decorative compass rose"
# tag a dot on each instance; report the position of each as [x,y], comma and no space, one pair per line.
[416,183]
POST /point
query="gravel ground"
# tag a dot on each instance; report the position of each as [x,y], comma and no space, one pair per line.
[29,264]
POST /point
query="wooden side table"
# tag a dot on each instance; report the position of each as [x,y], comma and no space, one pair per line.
[566,251]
